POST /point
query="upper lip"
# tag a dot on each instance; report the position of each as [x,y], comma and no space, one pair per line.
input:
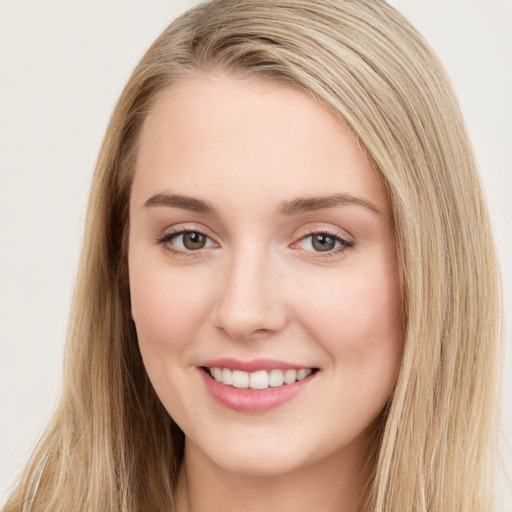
[252,365]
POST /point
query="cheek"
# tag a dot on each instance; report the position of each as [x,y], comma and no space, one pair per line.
[167,306]
[359,326]
[167,309]
[357,318]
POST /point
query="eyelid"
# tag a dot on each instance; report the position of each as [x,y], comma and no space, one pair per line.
[184,227]
[180,229]
[347,242]
[328,229]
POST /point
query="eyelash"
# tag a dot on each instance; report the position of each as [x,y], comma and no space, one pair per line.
[164,242]
[336,236]
[344,243]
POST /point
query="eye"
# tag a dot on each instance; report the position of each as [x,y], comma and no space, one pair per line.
[185,241]
[324,242]
[320,242]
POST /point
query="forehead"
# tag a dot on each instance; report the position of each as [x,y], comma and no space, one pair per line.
[215,134]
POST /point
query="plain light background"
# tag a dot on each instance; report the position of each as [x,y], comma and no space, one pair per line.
[63,64]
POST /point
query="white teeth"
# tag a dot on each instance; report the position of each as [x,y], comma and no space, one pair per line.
[276,378]
[217,374]
[260,379]
[290,376]
[240,379]
[227,377]
[303,373]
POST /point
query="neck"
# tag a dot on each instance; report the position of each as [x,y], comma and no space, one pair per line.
[338,483]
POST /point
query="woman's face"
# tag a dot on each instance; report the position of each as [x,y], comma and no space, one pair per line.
[261,243]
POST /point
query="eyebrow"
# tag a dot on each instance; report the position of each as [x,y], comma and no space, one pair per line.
[294,207]
[306,204]
[180,201]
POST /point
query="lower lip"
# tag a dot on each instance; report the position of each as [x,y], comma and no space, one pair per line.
[258,400]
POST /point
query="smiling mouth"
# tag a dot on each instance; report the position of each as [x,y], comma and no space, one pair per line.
[261,379]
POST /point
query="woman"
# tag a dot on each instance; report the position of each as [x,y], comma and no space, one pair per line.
[284,187]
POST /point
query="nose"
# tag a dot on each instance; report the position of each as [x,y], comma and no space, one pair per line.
[250,304]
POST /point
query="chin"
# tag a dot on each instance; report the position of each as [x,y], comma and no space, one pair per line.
[258,463]
[253,452]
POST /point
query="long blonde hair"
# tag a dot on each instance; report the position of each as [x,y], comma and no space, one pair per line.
[111,446]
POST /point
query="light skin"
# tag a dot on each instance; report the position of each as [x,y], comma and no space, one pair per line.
[258,229]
